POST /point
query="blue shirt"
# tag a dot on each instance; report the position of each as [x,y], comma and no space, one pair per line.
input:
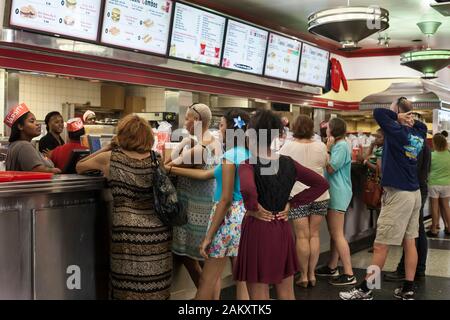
[340,180]
[235,155]
[402,145]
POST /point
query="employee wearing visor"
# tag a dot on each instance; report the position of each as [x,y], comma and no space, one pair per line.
[22,155]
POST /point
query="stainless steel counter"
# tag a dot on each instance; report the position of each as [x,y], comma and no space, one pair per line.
[54,238]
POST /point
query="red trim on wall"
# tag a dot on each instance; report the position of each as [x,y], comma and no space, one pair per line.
[112,70]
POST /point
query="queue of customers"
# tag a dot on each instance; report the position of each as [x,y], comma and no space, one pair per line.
[244,202]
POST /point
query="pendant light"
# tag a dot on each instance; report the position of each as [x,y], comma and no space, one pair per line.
[348,25]
[427,61]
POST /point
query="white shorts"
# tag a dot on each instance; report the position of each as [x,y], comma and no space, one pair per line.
[439,192]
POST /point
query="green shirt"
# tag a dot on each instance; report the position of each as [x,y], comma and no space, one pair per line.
[440,169]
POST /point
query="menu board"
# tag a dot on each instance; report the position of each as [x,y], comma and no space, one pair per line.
[72,18]
[138,25]
[313,66]
[283,57]
[197,35]
[245,48]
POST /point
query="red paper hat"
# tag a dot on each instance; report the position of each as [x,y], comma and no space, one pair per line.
[74,124]
[15,113]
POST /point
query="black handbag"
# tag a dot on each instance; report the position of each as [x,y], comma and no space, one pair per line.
[168,209]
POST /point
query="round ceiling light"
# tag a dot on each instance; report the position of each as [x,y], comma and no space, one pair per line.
[348,25]
[427,61]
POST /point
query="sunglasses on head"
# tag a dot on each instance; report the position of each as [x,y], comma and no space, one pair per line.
[193,108]
[401,99]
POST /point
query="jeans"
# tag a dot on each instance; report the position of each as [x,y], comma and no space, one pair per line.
[421,244]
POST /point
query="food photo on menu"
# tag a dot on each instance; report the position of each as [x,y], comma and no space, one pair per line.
[137,25]
[197,35]
[73,18]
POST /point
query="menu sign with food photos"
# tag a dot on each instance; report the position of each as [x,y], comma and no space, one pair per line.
[137,24]
[245,48]
[71,18]
[313,66]
[197,35]
[283,57]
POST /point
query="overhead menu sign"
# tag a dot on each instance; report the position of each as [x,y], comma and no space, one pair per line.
[283,57]
[137,24]
[313,66]
[245,48]
[197,35]
[71,18]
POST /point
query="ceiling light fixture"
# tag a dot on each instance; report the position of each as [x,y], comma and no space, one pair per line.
[428,61]
[348,25]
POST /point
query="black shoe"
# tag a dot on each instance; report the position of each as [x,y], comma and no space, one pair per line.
[404,295]
[394,276]
[430,234]
[419,276]
[326,271]
[343,280]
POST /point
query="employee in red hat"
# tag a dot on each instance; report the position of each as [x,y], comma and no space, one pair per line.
[61,155]
[22,155]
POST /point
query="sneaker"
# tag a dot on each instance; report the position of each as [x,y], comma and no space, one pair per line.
[326,271]
[404,295]
[394,276]
[356,294]
[343,280]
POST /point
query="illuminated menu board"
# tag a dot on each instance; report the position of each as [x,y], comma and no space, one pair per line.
[71,18]
[283,57]
[245,48]
[313,66]
[197,35]
[140,25]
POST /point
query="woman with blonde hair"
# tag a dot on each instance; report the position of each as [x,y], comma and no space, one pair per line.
[141,260]
[200,150]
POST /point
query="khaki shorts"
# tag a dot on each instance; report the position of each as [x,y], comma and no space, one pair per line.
[399,217]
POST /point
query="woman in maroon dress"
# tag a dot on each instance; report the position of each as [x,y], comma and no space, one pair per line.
[267,251]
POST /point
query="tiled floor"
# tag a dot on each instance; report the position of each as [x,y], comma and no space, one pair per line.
[431,288]
[435,286]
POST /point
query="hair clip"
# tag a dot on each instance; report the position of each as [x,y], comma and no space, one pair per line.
[238,122]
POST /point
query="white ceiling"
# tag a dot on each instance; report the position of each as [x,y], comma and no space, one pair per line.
[404,14]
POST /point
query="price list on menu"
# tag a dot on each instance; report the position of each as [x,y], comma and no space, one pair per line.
[71,18]
[137,25]
[197,35]
[313,66]
[283,57]
[245,48]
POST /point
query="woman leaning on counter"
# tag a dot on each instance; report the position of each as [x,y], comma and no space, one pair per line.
[141,257]
[22,155]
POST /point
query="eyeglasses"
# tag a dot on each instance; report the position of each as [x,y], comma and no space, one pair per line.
[193,108]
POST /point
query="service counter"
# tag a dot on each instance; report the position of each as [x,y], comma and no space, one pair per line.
[54,239]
